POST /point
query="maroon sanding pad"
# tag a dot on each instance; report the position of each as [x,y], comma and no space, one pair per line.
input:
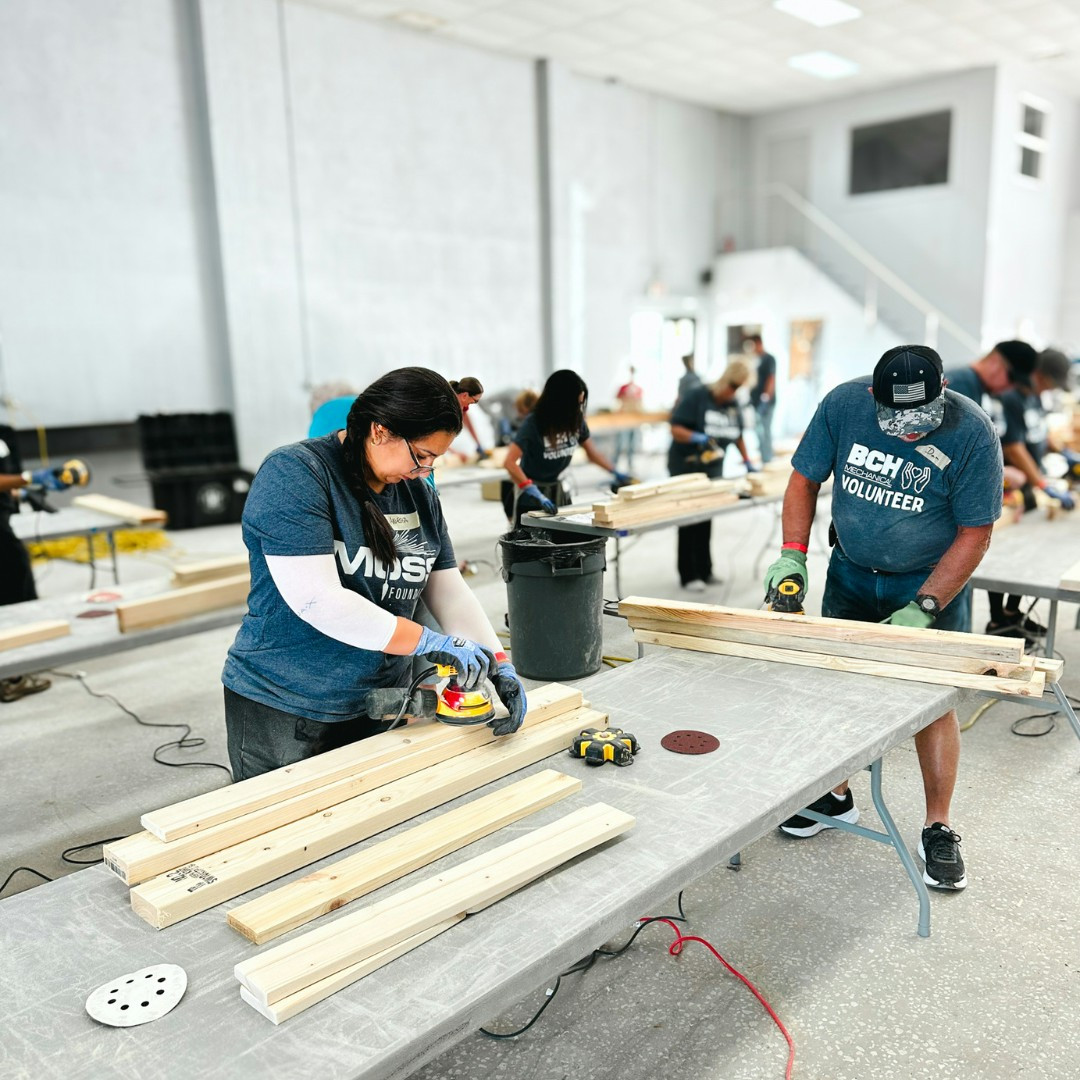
[690,742]
[95,613]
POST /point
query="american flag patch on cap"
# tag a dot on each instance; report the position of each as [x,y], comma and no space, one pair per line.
[908,393]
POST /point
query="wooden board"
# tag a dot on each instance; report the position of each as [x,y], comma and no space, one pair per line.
[118,508]
[659,487]
[326,890]
[209,570]
[225,874]
[224,804]
[1052,669]
[183,603]
[289,1006]
[989,684]
[1071,578]
[649,513]
[1006,650]
[32,633]
[469,887]
[617,507]
[886,653]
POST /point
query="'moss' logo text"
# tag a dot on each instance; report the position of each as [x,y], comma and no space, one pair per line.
[414,568]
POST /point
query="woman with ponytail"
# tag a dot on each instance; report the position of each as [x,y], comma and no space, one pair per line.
[344,537]
[545,443]
[469,392]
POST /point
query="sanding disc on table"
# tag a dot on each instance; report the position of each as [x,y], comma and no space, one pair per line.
[687,741]
[139,996]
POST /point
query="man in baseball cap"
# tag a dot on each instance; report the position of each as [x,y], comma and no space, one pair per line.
[917,488]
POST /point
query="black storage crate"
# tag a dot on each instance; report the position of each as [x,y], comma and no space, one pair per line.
[187,440]
[213,495]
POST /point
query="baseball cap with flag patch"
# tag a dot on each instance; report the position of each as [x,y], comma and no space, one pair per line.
[908,390]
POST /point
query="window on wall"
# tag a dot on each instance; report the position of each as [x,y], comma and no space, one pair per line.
[912,152]
[1031,137]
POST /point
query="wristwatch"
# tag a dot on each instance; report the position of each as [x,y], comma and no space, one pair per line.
[929,604]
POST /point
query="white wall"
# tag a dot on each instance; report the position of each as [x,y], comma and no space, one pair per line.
[1027,224]
[932,237]
[772,287]
[636,185]
[105,303]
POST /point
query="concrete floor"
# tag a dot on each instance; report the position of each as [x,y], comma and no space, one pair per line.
[824,927]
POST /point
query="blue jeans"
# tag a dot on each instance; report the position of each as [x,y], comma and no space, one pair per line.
[763,414]
[855,592]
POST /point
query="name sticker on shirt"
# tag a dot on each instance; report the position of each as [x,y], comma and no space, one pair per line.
[934,455]
[404,522]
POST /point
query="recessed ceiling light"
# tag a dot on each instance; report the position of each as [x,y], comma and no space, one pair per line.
[825,65]
[818,12]
[417,20]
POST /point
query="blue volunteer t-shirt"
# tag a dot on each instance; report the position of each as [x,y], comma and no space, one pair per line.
[1025,420]
[897,505]
[965,381]
[699,411]
[300,504]
[543,461]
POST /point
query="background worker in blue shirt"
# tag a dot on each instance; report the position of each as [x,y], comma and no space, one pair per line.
[917,487]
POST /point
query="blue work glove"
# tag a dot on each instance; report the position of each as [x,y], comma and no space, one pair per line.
[533,492]
[699,438]
[49,479]
[621,478]
[512,694]
[750,466]
[791,561]
[481,453]
[472,662]
[1063,497]
[911,615]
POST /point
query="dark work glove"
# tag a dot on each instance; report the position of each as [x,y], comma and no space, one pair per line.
[512,694]
[533,492]
[472,662]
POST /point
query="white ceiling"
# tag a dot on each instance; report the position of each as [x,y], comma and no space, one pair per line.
[732,54]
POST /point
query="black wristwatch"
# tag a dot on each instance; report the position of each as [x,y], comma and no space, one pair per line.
[929,604]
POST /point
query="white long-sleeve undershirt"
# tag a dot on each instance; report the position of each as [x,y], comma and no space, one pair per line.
[310,586]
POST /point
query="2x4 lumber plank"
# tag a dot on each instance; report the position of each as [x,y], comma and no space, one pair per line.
[673,498]
[889,654]
[469,887]
[354,770]
[132,513]
[326,890]
[1071,578]
[32,633]
[182,603]
[225,874]
[987,683]
[289,1006]
[209,570]
[669,510]
[1052,669]
[224,804]
[985,647]
[658,487]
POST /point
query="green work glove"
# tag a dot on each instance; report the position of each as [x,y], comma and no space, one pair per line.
[791,561]
[911,615]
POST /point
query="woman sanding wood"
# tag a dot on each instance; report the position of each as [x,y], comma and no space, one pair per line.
[344,537]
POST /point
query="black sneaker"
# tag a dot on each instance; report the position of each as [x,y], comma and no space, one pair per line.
[1005,629]
[939,848]
[841,809]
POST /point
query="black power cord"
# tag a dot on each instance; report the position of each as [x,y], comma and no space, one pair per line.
[583,965]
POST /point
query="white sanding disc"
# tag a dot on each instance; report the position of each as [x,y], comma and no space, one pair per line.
[138,997]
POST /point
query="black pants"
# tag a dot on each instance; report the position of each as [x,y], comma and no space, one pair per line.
[551,489]
[998,605]
[16,576]
[695,558]
[262,738]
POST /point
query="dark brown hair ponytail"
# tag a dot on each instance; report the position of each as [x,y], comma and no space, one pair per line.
[468,385]
[410,403]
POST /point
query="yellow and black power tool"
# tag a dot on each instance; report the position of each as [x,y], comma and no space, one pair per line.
[460,707]
[597,745]
[787,596]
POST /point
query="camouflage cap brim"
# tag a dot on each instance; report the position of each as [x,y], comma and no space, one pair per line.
[922,418]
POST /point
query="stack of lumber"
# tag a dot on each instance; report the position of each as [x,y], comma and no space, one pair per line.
[639,504]
[289,978]
[772,480]
[1071,578]
[970,661]
[214,847]
[183,603]
[118,508]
